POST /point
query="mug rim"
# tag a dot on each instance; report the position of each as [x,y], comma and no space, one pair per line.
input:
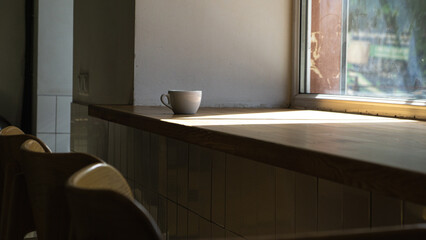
[188,91]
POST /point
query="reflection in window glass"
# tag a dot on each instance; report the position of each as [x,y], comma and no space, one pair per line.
[373,48]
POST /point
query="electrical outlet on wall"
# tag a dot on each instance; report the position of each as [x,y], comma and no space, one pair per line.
[83,83]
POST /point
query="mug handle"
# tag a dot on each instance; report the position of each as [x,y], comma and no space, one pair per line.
[168,100]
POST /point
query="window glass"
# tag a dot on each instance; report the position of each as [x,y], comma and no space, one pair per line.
[369,48]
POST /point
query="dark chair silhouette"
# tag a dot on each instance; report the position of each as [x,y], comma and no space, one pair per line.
[102,207]
[46,175]
[15,213]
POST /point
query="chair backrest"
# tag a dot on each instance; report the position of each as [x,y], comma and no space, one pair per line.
[33,146]
[102,207]
[15,215]
[11,130]
[46,175]
[101,177]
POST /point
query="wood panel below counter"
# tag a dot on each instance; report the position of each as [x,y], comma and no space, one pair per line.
[384,155]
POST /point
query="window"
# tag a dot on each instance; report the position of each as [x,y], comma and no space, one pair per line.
[364,56]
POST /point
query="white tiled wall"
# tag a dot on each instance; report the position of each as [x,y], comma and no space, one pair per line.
[62,142]
[53,121]
[54,73]
[49,139]
[46,114]
[55,47]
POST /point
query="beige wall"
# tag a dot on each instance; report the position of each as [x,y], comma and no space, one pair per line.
[237,51]
[104,49]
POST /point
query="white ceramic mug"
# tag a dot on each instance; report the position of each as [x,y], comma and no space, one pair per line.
[182,102]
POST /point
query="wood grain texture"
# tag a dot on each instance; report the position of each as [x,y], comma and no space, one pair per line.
[356,208]
[286,202]
[102,206]
[384,155]
[101,177]
[11,130]
[15,213]
[45,176]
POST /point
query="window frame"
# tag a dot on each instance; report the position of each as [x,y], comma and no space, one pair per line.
[413,109]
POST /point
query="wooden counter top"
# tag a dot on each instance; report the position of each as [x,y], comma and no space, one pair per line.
[385,155]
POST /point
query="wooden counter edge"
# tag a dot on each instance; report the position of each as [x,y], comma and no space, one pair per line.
[399,183]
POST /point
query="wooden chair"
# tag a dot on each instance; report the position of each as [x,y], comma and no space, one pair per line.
[411,232]
[46,175]
[102,207]
[15,213]
[11,130]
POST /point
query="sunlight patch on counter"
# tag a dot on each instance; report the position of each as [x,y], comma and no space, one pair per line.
[280,117]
